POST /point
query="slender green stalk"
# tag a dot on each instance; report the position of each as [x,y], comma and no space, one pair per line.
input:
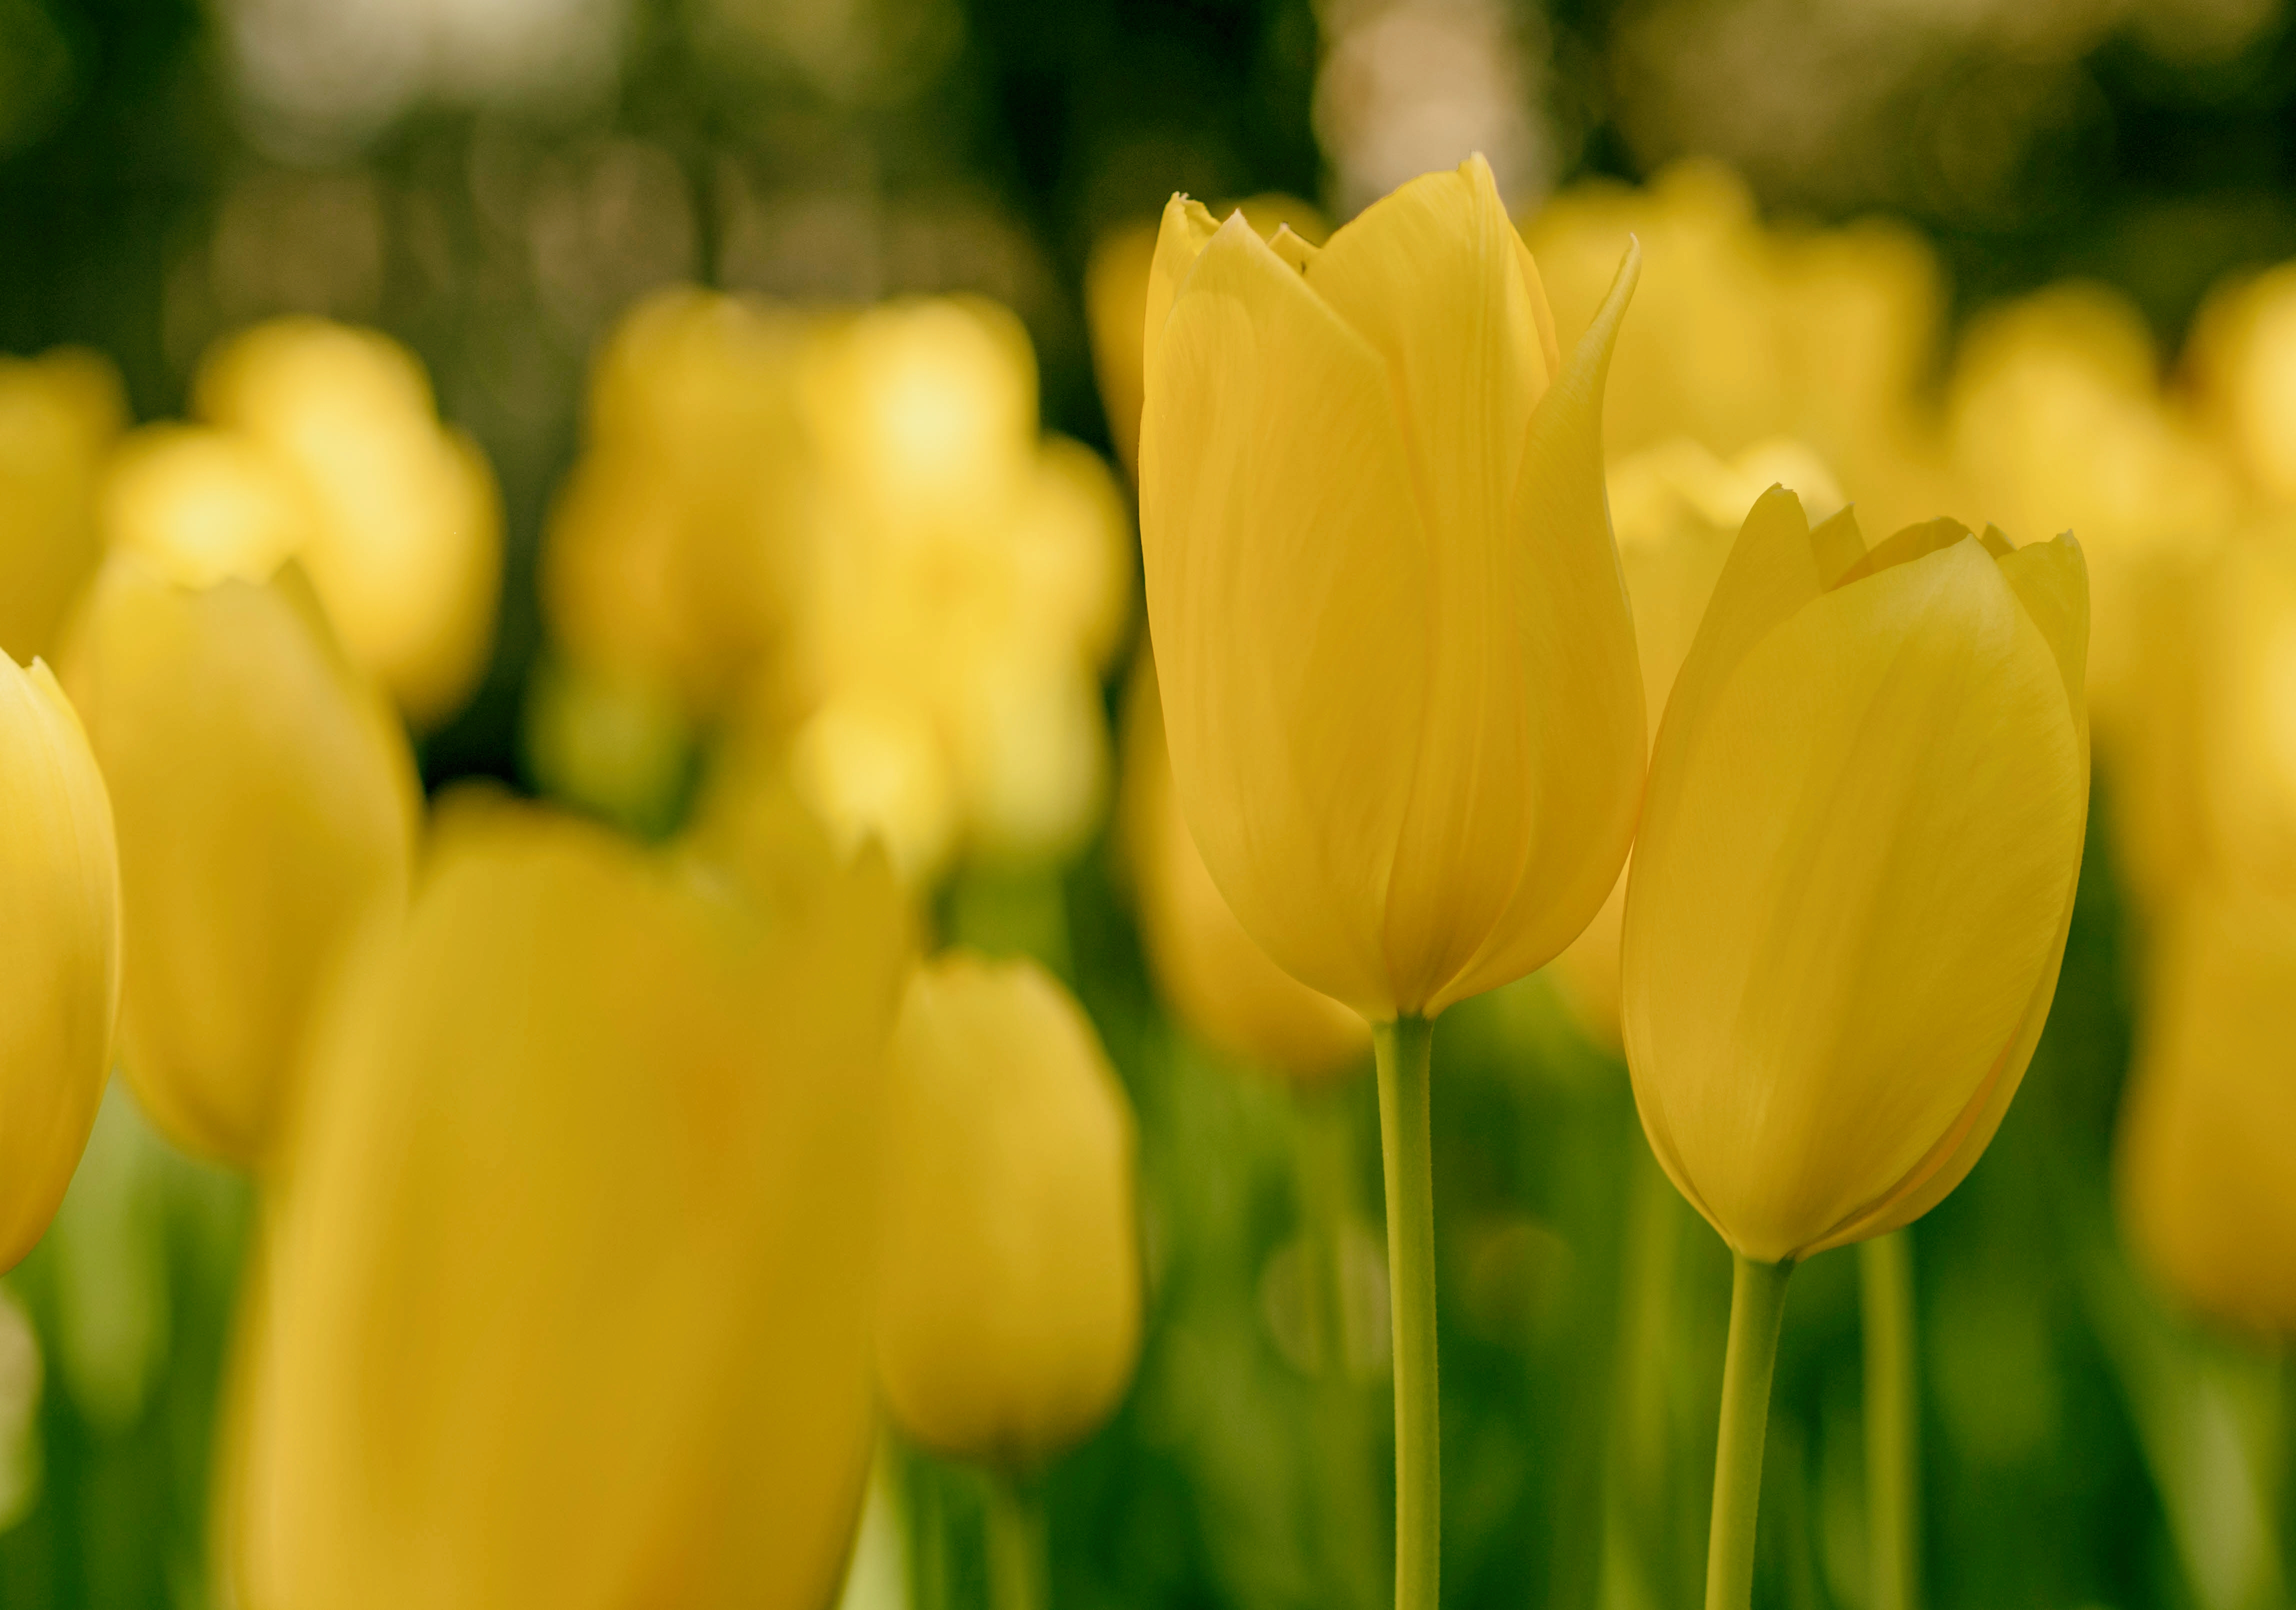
[1892,1453]
[1016,1545]
[1403,1048]
[1758,1307]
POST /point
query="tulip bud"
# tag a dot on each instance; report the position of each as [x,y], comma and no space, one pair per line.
[2208,1131]
[1399,672]
[1008,1313]
[267,801]
[564,1301]
[1855,871]
[1215,979]
[60,988]
[58,417]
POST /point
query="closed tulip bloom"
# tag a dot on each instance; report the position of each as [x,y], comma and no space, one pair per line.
[1399,672]
[1008,1313]
[1208,970]
[1855,871]
[2208,1133]
[564,1301]
[265,800]
[59,960]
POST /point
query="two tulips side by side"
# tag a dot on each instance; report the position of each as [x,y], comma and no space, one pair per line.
[1405,717]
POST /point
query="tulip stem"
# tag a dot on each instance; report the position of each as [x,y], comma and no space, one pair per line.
[1016,1545]
[1892,1460]
[1403,1048]
[1758,1307]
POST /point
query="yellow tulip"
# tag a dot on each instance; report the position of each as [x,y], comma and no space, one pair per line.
[202,504]
[1675,508]
[1208,970]
[1400,679]
[2207,1160]
[266,801]
[405,547]
[60,963]
[1855,871]
[58,417]
[1008,1310]
[2243,346]
[565,1301]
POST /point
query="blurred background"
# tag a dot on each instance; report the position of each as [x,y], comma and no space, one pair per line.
[2007,259]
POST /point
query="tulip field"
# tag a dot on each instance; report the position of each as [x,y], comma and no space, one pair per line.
[1246,805]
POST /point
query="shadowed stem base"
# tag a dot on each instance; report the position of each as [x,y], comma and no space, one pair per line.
[1403,1048]
[1015,1525]
[1758,1307]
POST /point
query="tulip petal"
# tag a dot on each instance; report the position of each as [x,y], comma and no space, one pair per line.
[1286,569]
[1187,229]
[1563,722]
[2051,580]
[1808,1049]
[1904,548]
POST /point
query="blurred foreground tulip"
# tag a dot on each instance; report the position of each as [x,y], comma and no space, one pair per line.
[565,1301]
[1399,684]
[405,546]
[266,805]
[1849,901]
[60,984]
[1008,1312]
[59,414]
[1214,977]
[1675,508]
[2207,1135]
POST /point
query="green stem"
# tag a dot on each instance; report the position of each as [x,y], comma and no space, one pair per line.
[1892,1453]
[1758,1307]
[1016,1545]
[1403,1048]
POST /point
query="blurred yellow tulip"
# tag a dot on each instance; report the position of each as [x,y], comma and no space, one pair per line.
[1208,970]
[267,803]
[59,414]
[1675,508]
[565,1301]
[202,504]
[1008,1310]
[2243,349]
[2206,1161]
[1855,871]
[59,961]
[1400,689]
[2054,417]
[406,541]
[677,550]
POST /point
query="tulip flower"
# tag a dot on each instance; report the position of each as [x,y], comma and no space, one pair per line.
[406,541]
[1399,681]
[59,414]
[2207,1160]
[1216,980]
[60,988]
[1849,900]
[1008,1304]
[564,1300]
[266,803]
[1008,1311]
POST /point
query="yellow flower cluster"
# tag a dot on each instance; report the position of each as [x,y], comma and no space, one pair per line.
[842,543]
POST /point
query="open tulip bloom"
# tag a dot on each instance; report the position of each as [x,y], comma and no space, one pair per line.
[1401,687]
[1849,900]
